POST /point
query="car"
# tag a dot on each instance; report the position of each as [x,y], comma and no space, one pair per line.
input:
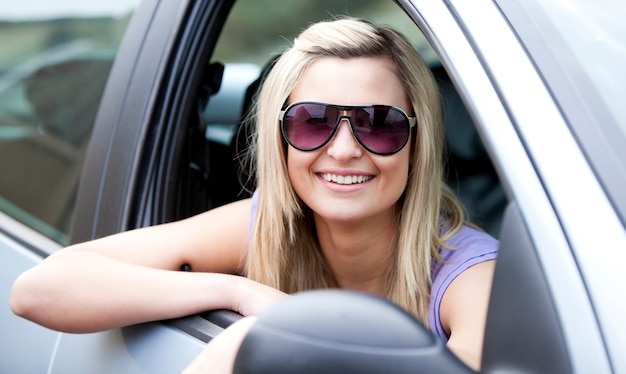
[536,131]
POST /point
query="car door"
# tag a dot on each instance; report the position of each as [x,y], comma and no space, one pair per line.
[149,105]
[79,159]
[54,63]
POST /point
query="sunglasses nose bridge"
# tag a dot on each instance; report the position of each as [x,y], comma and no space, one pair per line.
[344,115]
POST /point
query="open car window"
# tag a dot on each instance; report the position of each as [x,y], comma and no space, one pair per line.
[246,45]
[249,43]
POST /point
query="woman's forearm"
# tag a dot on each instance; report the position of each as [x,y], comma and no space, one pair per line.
[88,292]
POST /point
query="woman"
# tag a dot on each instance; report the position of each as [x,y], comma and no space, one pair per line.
[348,157]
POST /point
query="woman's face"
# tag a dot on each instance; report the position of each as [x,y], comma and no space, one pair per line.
[380,180]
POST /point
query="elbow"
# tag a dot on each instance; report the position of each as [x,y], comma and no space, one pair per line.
[22,300]
[28,298]
[39,304]
[41,295]
[37,293]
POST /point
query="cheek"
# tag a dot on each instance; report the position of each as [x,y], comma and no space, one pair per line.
[297,166]
[292,163]
[402,180]
[398,172]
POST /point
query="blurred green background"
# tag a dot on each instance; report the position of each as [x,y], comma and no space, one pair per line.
[271,25]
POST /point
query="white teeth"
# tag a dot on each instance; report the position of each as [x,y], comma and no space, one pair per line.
[345,179]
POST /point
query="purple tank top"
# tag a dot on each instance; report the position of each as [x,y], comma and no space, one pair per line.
[468,247]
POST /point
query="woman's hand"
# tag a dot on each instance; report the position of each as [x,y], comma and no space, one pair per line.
[250,299]
[253,297]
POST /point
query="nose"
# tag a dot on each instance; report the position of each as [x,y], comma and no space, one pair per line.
[343,146]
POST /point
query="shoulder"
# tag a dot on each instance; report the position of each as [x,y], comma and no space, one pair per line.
[463,311]
[464,249]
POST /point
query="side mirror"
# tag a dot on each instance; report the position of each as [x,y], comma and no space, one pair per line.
[334,331]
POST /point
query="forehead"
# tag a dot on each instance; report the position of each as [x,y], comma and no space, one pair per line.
[354,81]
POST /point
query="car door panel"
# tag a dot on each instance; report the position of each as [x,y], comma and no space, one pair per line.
[131,140]
[25,347]
[54,62]
[144,348]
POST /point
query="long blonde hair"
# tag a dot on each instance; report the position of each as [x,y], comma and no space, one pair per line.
[284,252]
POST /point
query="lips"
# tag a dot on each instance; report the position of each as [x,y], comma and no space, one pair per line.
[345,179]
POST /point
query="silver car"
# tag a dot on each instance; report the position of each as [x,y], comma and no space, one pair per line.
[116,115]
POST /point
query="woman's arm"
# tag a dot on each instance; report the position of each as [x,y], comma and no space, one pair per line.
[463,312]
[133,277]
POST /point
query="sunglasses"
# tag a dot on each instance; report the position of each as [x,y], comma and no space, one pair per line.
[380,129]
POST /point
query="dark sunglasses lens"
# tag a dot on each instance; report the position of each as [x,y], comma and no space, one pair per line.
[381,129]
[308,126]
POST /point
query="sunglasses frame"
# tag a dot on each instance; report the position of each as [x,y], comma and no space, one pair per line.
[412,121]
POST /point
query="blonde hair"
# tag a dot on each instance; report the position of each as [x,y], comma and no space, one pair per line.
[284,252]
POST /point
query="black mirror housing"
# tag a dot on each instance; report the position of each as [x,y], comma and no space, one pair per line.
[333,331]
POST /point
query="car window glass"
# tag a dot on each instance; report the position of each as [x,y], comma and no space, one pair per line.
[596,38]
[54,61]
[578,47]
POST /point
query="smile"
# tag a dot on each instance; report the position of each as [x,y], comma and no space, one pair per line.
[345,179]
